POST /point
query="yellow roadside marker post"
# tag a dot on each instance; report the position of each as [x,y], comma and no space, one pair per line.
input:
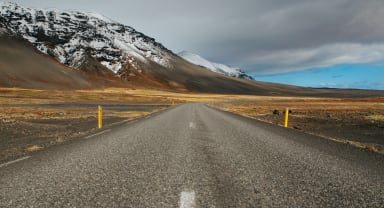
[286,118]
[100,117]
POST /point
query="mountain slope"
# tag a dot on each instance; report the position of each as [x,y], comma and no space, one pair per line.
[22,66]
[215,67]
[97,45]
[72,37]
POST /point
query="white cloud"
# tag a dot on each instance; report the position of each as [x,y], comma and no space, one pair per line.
[298,59]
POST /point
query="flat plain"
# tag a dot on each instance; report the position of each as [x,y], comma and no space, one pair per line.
[31,120]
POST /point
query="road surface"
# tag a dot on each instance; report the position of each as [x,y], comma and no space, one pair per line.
[195,156]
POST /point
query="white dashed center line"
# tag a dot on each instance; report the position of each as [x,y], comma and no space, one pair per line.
[187,199]
[192,125]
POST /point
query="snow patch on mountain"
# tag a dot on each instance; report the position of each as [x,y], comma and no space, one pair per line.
[215,67]
[101,17]
[69,36]
[3,31]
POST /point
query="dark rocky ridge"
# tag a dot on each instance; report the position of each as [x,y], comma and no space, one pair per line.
[71,37]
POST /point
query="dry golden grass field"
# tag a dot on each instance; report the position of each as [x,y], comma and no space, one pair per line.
[31,120]
[359,122]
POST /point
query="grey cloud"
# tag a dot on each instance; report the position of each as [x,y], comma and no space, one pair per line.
[328,55]
[261,36]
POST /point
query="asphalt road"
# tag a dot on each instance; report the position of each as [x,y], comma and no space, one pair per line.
[195,156]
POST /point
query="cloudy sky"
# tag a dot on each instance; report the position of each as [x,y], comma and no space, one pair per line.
[269,39]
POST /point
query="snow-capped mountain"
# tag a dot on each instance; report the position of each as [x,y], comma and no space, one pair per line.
[110,54]
[215,67]
[71,37]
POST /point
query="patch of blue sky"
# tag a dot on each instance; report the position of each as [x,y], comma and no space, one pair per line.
[347,76]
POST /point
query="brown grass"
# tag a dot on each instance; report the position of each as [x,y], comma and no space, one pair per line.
[16,107]
[263,107]
[357,122]
[116,95]
[376,117]
[119,95]
[10,114]
[34,148]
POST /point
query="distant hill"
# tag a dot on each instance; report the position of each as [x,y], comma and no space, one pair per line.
[215,67]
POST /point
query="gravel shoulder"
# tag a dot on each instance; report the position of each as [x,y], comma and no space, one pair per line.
[359,122]
[30,128]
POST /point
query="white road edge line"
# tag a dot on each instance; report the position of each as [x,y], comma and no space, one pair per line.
[14,161]
[120,122]
[90,136]
[187,199]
